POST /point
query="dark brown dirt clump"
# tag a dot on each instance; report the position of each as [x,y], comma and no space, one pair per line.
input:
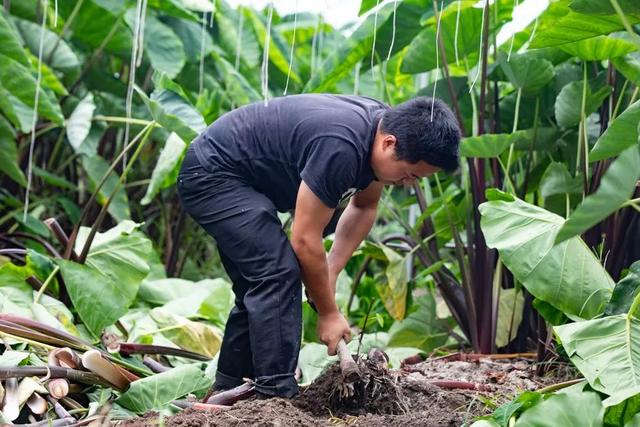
[378,392]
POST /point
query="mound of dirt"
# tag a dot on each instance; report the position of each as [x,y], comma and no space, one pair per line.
[378,392]
[434,393]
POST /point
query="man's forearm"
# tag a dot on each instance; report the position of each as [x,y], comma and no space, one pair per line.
[315,274]
[354,225]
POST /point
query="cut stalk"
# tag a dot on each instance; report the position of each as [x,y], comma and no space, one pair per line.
[127,349]
[53,372]
[93,361]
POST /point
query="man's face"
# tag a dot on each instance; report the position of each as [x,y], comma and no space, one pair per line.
[391,171]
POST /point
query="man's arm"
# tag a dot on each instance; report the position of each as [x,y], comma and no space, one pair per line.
[354,225]
[312,216]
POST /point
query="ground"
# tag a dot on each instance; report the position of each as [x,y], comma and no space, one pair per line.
[417,395]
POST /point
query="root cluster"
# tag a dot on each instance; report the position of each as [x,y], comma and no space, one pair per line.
[377,392]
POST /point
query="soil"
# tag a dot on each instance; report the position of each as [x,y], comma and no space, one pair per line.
[406,397]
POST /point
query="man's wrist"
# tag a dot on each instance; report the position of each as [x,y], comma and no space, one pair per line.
[328,311]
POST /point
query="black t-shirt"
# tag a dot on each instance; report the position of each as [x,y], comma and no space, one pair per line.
[324,140]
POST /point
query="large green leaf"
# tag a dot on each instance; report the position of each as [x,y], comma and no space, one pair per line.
[236,40]
[599,7]
[489,145]
[607,353]
[616,186]
[55,51]
[174,8]
[239,89]
[192,336]
[166,170]
[49,78]
[17,79]
[574,27]
[96,19]
[158,390]
[9,153]
[568,276]
[527,72]
[103,288]
[557,180]
[421,329]
[349,53]
[566,410]
[629,67]
[510,309]
[621,134]
[277,56]
[217,305]
[163,291]
[394,291]
[15,293]
[10,44]
[95,167]
[625,291]
[161,45]
[20,115]
[190,33]
[599,48]
[174,113]
[503,413]
[421,53]
[98,298]
[121,252]
[79,123]
[569,102]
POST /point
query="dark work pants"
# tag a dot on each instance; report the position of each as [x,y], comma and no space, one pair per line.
[263,332]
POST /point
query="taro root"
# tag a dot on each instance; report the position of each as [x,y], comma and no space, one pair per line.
[58,388]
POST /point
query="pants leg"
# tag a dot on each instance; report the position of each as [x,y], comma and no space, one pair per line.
[235,361]
[268,291]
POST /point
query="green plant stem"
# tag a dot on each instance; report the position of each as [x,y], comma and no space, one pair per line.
[94,195]
[103,211]
[45,129]
[507,178]
[46,284]
[614,114]
[459,246]
[511,148]
[56,149]
[634,95]
[559,386]
[625,22]
[117,119]
[581,132]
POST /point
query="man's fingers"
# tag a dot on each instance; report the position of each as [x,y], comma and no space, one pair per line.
[331,349]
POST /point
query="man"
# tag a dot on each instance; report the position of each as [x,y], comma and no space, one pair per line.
[302,152]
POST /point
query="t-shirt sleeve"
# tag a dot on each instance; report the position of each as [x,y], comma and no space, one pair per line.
[330,170]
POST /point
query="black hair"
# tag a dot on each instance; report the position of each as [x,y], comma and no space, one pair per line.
[421,138]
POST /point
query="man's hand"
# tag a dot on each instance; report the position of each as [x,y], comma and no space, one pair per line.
[331,328]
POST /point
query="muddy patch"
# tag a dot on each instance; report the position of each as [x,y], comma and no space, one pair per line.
[432,393]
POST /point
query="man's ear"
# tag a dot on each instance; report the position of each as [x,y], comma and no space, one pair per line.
[389,141]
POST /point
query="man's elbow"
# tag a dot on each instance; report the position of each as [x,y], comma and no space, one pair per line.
[303,244]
